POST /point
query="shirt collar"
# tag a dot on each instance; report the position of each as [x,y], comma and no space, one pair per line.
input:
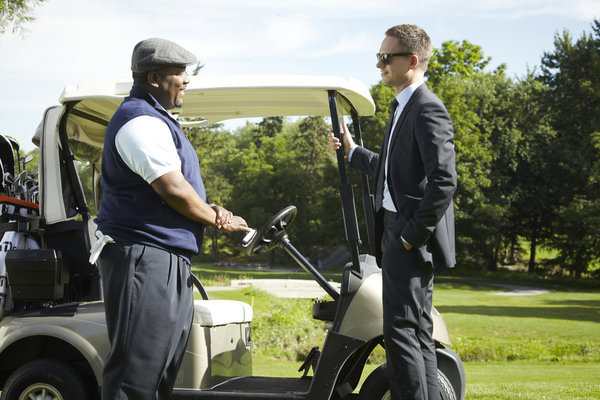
[406,93]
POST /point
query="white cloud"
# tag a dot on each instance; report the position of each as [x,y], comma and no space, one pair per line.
[587,9]
[516,9]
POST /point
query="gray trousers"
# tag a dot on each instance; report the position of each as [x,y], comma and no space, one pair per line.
[407,322]
[148,298]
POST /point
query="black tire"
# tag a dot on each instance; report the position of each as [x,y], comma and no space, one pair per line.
[446,389]
[46,378]
[377,386]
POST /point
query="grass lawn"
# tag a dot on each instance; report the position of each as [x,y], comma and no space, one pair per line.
[562,325]
[533,380]
[497,380]
[544,346]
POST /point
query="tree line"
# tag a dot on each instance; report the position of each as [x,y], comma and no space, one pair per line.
[527,160]
[527,157]
[528,163]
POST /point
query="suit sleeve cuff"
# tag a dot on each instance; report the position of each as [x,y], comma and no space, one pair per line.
[351,152]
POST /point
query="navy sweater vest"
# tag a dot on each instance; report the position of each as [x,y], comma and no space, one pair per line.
[130,209]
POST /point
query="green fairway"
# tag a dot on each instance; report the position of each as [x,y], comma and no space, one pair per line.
[544,346]
[533,380]
[496,380]
[561,325]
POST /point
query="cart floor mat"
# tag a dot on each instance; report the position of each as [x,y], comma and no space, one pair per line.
[260,384]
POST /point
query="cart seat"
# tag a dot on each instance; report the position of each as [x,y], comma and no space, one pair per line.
[221,312]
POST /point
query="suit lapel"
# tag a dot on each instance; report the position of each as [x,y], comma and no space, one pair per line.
[418,93]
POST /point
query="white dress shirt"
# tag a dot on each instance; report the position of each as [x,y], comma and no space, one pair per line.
[402,99]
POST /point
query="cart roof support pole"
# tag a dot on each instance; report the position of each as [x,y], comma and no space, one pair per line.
[346,192]
[367,198]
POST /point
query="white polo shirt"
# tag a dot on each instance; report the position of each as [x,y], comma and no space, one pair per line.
[146,146]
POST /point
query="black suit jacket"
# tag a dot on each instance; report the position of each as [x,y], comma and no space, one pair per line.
[421,177]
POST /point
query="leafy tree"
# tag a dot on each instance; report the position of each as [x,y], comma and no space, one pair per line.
[455,73]
[322,220]
[532,212]
[462,59]
[270,126]
[373,128]
[572,74]
[578,235]
[293,167]
[15,13]
[213,144]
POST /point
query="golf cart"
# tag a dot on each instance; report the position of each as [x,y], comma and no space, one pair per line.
[53,337]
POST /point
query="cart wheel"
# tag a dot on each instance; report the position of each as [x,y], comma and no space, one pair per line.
[377,386]
[446,389]
[47,380]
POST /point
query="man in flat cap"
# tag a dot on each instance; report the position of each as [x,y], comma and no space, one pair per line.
[152,216]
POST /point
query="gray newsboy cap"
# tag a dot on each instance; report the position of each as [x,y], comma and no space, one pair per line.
[154,53]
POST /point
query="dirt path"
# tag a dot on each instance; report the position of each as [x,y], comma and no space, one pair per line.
[291,288]
[517,290]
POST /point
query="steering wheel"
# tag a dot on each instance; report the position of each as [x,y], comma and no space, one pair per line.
[270,234]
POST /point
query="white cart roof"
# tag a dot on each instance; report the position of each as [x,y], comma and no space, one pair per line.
[212,99]
[208,100]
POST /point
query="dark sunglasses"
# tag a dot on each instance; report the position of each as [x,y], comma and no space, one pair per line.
[385,57]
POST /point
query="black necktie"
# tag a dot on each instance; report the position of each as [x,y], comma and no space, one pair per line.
[382,157]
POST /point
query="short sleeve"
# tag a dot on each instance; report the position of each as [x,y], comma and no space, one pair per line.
[146,146]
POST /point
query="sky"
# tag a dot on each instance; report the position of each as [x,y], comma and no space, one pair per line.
[91,40]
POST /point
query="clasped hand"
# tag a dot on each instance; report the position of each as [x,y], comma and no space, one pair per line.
[225,221]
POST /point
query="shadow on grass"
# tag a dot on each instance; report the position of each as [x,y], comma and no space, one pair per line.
[578,303]
[464,284]
[568,312]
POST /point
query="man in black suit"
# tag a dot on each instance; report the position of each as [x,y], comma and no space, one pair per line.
[415,179]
